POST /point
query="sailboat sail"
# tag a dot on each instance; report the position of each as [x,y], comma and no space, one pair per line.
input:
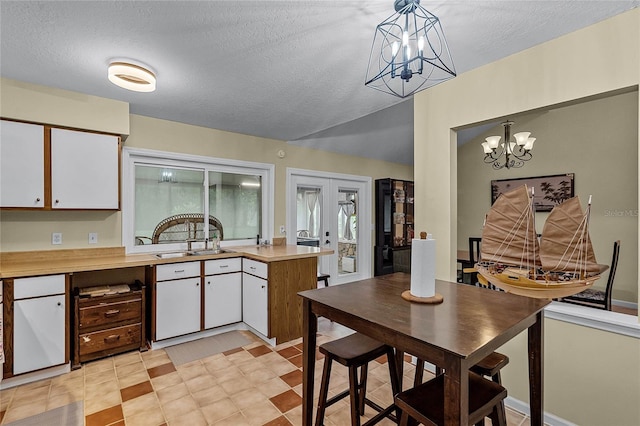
[509,234]
[562,264]
[565,243]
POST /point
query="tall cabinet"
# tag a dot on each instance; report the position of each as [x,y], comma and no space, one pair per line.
[394,225]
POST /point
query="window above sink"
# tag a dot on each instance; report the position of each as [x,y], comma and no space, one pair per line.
[160,185]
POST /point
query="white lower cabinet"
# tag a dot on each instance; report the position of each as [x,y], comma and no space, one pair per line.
[39,323]
[222,292]
[177,307]
[255,296]
[222,299]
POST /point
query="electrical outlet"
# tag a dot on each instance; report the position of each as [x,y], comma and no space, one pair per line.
[282,229]
[93,238]
[56,238]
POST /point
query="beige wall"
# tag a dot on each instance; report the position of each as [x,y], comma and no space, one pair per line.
[41,104]
[591,377]
[600,134]
[31,230]
[599,59]
[176,137]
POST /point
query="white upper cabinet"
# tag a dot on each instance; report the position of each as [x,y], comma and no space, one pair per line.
[21,164]
[84,170]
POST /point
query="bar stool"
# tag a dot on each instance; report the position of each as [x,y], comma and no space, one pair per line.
[355,351]
[489,366]
[425,403]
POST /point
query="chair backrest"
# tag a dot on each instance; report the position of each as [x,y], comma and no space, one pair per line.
[612,274]
[184,226]
[474,249]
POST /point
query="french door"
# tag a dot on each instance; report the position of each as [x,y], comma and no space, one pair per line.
[332,211]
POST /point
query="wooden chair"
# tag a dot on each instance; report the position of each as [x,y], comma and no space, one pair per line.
[597,298]
[186,226]
[489,366]
[425,403]
[324,278]
[469,274]
[355,351]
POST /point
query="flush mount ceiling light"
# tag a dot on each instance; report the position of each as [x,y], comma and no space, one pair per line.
[132,77]
[409,52]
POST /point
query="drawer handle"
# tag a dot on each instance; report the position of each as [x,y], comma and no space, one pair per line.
[111,313]
[112,339]
[224,266]
[180,271]
[253,268]
[86,339]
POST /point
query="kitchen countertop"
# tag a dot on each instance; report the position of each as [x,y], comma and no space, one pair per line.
[46,262]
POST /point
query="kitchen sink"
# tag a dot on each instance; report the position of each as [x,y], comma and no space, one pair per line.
[173,254]
[190,253]
[208,251]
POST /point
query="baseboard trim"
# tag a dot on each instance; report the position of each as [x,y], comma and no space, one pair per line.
[523,407]
[624,304]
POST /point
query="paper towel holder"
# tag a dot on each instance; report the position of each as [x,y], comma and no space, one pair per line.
[435,299]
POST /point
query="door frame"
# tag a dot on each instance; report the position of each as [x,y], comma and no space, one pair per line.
[365,226]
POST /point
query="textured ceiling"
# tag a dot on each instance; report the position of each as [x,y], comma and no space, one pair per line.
[288,70]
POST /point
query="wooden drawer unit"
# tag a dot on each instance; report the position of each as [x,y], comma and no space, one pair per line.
[109,312]
[110,341]
[109,324]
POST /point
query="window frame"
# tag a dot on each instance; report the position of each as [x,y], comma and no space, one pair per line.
[138,156]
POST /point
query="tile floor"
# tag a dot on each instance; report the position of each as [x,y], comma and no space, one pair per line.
[253,385]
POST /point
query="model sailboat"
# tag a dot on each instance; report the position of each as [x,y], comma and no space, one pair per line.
[561,264]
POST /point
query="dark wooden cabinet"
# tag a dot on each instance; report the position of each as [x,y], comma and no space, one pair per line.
[108,324]
[394,225]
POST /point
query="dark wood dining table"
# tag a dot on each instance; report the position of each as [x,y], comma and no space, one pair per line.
[468,325]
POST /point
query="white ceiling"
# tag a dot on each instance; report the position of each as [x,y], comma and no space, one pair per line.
[288,70]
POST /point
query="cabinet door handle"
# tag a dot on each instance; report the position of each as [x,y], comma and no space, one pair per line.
[38,199]
[263,286]
[59,304]
[111,313]
[112,339]
[57,201]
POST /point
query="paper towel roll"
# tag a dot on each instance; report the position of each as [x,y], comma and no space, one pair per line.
[423,267]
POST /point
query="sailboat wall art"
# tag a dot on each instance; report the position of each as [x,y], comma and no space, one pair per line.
[558,264]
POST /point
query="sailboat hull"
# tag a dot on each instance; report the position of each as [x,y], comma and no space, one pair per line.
[539,289]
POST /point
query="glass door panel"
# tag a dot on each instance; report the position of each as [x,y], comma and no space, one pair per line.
[347,231]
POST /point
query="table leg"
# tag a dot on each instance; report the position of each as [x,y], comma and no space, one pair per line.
[399,357]
[456,392]
[536,370]
[309,330]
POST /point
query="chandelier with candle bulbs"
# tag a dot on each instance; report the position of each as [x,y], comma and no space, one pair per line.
[409,52]
[508,154]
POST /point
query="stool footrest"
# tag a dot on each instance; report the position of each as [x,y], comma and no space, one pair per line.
[336,398]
